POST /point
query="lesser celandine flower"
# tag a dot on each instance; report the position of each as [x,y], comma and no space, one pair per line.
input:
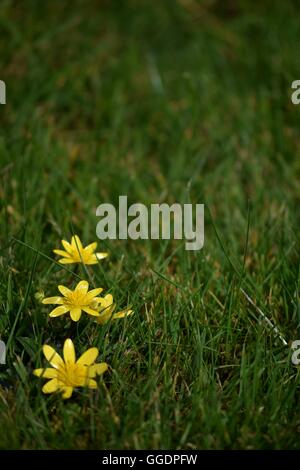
[75,301]
[106,309]
[76,253]
[66,373]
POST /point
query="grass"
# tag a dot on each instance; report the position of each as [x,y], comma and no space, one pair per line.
[172,101]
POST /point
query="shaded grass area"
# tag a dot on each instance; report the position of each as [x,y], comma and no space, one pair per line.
[173,101]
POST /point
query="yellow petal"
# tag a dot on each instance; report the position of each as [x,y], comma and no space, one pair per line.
[88,357]
[75,313]
[64,290]
[61,310]
[53,300]
[52,357]
[69,352]
[94,303]
[106,306]
[122,314]
[62,253]
[90,248]
[91,383]
[67,392]
[101,255]
[97,369]
[83,286]
[107,301]
[93,293]
[90,259]
[90,311]
[67,260]
[76,243]
[51,386]
[48,373]
[67,246]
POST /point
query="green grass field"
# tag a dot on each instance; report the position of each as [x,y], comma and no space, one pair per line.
[163,101]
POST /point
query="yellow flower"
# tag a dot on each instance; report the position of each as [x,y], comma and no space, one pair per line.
[74,301]
[76,253]
[106,308]
[66,373]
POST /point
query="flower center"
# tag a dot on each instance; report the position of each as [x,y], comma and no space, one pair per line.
[72,375]
[76,299]
[79,255]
